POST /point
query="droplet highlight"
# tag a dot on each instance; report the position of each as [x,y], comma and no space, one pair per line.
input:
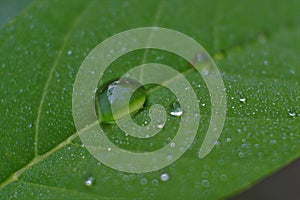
[243,100]
[164,177]
[176,110]
[292,114]
[89,181]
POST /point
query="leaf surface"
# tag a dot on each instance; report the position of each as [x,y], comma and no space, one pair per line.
[255,45]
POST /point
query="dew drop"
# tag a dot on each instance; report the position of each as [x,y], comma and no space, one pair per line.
[292,71]
[205,72]
[205,183]
[241,154]
[104,99]
[69,52]
[292,114]
[89,181]
[202,57]
[154,182]
[126,178]
[160,126]
[143,181]
[169,157]
[164,177]
[243,100]
[176,110]
[223,177]
[228,139]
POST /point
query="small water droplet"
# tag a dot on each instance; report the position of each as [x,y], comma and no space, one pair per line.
[89,181]
[292,71]
[243,100]
[223,177]
[292,114]
[266,62]
[126,178]
[202,57]
[154,182]
[160,125]
[69,52]
[164,177]
[205,183]
[30,125]
[143,181]
[228,139]
[169,157]
[205,72]
[108,149]
[176,110]
[241,154]
[104,98]
[172,144]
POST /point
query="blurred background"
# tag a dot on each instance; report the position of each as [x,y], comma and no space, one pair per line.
[11,8]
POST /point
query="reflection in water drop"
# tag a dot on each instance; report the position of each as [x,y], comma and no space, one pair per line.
[89,181]
[104,98]
[160,126]
[243,100]
[164,177]
[176,110]
[292,114]
[228,139]
[69,52]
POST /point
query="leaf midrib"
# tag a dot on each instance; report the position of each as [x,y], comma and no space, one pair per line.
[50,75]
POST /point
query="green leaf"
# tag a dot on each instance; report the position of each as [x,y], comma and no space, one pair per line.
[255,45]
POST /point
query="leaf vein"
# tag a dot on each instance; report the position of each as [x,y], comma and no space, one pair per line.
[50,75]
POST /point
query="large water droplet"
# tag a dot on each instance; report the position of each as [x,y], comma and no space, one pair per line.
[104,98]
[176,110]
